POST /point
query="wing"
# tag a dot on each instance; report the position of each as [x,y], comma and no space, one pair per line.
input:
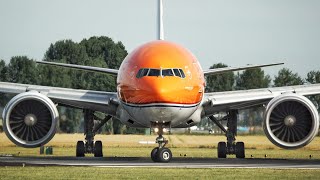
[87,68]
[224,101]
[106,102]
[226,69]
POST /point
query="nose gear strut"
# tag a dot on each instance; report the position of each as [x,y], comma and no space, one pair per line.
[161,153]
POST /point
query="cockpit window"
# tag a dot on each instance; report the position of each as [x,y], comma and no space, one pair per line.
[167,72]
[160,72]
[142,72]
[176,72]
[154,72]
[182,73]
[139,73]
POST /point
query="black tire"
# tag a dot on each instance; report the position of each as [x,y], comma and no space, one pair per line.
[154,154]
[240,153]
[98,149]
[222,150]
[80,149]
[164,155]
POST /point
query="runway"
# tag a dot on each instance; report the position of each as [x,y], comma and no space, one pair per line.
[139,162]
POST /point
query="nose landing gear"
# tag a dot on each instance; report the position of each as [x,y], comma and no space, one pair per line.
[161,153]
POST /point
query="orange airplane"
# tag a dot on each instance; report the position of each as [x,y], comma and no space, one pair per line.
[160,85]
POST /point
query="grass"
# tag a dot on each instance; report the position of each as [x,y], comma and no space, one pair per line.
[152,173]
[181,145]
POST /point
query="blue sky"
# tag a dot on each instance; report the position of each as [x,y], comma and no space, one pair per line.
[230,31]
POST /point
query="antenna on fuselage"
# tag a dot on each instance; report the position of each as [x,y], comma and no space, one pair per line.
[160,21]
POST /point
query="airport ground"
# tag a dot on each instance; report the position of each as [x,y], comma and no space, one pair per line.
[183,146]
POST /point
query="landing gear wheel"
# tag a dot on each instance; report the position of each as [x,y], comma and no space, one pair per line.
[80,149]
[154,154]
[164,155]
[240,150]
[222,150]
[98,149]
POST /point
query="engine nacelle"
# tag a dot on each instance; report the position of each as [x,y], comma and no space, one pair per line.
[30,119]
[291,121]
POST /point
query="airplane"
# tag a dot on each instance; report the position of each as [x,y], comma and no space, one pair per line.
[160,85]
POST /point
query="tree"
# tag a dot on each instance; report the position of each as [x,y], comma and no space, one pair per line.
[313,77]
[103,52]
[253,79]
[96,51]
[22,70]
[286,77]
[220,82]
[3,71]
[105,49]
[65,51]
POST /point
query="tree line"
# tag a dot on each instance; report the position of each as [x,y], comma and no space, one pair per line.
[104,52]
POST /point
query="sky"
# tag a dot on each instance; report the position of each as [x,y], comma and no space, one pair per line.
[235,32]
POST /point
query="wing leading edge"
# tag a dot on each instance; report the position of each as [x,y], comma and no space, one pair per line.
[87,68]
[227,69]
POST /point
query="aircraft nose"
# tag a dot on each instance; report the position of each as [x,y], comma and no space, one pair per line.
[173,90]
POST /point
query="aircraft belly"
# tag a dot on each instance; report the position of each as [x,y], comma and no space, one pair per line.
[178,115]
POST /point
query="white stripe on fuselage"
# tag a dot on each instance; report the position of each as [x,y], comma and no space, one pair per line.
[161,105]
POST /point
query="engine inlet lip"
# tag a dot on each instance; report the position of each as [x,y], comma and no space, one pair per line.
[284,98]
[30,95]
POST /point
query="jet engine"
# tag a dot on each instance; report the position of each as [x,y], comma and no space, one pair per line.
[291,121]
[30,119]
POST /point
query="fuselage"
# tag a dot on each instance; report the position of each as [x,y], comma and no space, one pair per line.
[160,81]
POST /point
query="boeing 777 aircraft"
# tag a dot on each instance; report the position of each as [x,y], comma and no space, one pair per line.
[160,85]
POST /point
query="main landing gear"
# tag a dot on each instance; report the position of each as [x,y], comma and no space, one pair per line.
[89,146]
[231,146]
[161,153]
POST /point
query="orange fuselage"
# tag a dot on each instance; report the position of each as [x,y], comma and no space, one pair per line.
[160,89]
